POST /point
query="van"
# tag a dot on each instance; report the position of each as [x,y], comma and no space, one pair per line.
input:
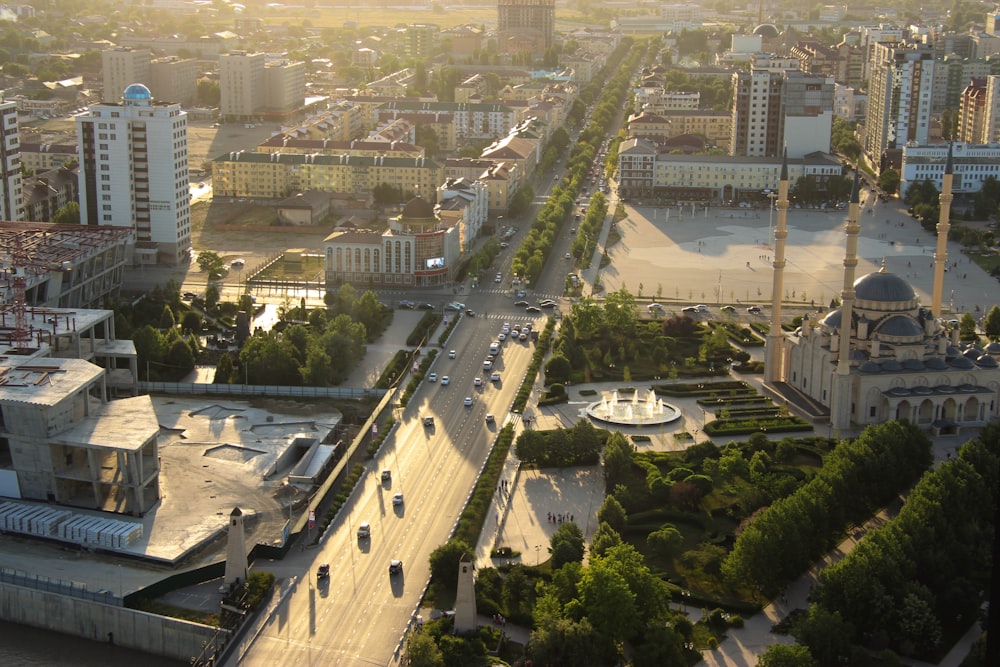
[494,348]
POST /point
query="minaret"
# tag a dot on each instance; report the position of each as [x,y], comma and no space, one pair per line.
[840,403]
[465,596]
[774,353]
[236,550]
[943,226]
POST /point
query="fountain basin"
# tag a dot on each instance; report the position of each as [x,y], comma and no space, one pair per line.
[634,411]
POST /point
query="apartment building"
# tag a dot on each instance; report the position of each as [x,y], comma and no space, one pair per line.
[991,126]
[502,179]
[971,165]
[472,121]
[241,84]
[899,99]
[464,204]
[173,79]
[282,143]
[11,194]
[525,26]
[284,86]
[133,173]
[952,74]
[121,67]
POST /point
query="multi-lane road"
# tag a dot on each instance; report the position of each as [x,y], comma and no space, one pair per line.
[357,615]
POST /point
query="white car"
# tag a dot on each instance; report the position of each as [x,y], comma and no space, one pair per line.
[452,354]
[501,336]
[445,380]
[239,261]
[433,377]
[489,418]
[498,278]
[654,306]
[478,382]
[468,402]
[495,377]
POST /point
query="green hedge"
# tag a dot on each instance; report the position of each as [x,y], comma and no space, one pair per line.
[357,470]
[473,517]
[394,369]
[418,377]
[541,348]
[425,326]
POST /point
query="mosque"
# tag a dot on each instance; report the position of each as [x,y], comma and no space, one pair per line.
[881,355]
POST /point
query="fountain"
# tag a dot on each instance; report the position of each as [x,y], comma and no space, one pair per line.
[635,412]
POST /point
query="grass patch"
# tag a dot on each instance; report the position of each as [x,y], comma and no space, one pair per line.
[169,610]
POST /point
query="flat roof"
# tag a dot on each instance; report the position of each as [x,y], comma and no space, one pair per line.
[43,381]
[125,423]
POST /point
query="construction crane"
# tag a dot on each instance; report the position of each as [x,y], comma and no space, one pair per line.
[38,249]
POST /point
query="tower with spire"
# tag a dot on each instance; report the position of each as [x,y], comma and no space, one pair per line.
[774,351]
[943,227]
[840,406]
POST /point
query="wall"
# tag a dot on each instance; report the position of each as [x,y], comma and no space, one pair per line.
[160,635]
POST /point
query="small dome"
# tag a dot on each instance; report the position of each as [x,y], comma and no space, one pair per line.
[767,30]
[945,389]
[952,352]
[137,92]
[883,286]
[993,348]
[418,208]
[869,367]
[936,364]
[962,363]
[832,319]
[891,365]
[972,353]
[899,326]
[986,361]
[913,364]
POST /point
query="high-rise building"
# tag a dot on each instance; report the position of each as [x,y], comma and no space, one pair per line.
[899,98]
[121,67]
[134,173]
[284,86]
[991,124]
[241,84]
[972,112]
[11,195]
[777,108]
[525,25]
[173,79]
[421,40]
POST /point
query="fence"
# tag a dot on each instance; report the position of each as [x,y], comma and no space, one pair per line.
[58,586]
[199,388]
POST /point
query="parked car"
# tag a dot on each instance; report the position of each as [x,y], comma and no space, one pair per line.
[495,377]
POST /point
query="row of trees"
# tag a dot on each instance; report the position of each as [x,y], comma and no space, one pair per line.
[858,477]
[530,256]
[909,581]
[579,445]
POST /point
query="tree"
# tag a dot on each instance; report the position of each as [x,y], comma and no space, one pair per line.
[666,541]
[967,327]
[422,651]
[605,537]
[888,181]
[782,655]
[609,603]
[827,636]
[444,563]
[167,320]
[191,322]
[224,370]
[211,263]
[991,325]
[613,514]
[566,545]
[68,214]
[212,296]
[209,93]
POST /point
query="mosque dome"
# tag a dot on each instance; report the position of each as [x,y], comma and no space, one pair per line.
[913,364]
[936,364]
[883,286]
[870,367]
[137,93]
[892,366]
[767,30]
[900,326]
[986,361]
[418,208]
[993,348]
[962,363]
[832,319]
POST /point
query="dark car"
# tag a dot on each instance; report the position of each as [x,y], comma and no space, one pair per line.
[395,567]
[754,310]
[428,421]
[427,306]
[409,305]
[323,572]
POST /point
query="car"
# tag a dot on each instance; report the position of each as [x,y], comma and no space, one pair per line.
[567,256]
[190,296]
[533,309]
[654,306]
[689,309]
[521,304]
[494,377]
[433,377]
[397,499]
[489,418]
[523,336]
[428,421]
[702,308]
[426,306]
[467,402]
[521,294]
[364,530]
[239,261]
[488,365]
[498,278]
[395,566]
[728,309]
[478,382]
[547,304]
[323,572]
[470,313]
[501,336]
[445,381]
[407,304]
[504,245]
[386,475]
[754,310]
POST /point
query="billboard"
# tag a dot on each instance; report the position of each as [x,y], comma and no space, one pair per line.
[434,263]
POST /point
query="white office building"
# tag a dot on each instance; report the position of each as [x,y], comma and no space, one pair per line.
[134,173]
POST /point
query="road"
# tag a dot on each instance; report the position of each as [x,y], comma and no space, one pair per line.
[356,616]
